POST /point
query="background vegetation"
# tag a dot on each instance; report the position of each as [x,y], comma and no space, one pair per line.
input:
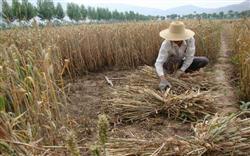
[47,9]
[221,15]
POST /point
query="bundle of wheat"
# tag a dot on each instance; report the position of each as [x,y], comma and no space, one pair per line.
[137,103]
[9,136]
[227,136]
[146,76]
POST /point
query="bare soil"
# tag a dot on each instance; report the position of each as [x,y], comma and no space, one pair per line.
[86,103]
[227,97]
[87,93]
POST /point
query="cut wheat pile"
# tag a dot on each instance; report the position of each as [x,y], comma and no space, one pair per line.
[228,135]
[137,103]
[139,99]
[147,77]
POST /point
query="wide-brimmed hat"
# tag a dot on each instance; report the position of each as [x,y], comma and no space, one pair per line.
[177,32]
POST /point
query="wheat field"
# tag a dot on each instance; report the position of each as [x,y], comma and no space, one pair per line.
[241,44]
[34,63]
[94,47]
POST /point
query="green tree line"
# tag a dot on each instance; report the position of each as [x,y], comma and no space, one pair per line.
[46,9]
[221,15]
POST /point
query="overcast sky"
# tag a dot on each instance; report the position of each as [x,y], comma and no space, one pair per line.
[164,4]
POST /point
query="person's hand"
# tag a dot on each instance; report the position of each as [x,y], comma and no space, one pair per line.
[178,74]
[164,84]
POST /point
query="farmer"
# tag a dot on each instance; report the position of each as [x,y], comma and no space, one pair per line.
[176,54]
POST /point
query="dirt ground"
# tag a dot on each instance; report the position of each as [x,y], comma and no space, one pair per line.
[227,100]
[87,93]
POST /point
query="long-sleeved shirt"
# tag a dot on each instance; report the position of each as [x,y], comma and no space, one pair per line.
[185,52]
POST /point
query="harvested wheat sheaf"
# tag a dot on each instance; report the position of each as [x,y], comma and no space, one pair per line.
[146,76]
[139,99]
[137,103]
[6,133]
[227,136]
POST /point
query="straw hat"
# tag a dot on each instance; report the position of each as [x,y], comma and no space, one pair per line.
[176,32]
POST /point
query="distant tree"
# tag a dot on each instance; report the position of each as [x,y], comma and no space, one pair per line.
[70,10]
[221,15]
[24,10]
[20,11]
[248,13]
[77,12]
[16,9]
[168,16]
[132,15]
[137,16]
[100,13]
[84,12]
[209,16]
[143,17]
[214,15]
[115,15]
[28,11]
[244,14]
[173,16]
[45,9]
[122,16]
[59,11]
[7,11]
[126,15]
[204,15]
[162,17]
[109,14]
[92,14]
[74,11]
[236,14]
[231,13]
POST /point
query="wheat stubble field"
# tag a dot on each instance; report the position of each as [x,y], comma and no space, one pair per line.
[92,90]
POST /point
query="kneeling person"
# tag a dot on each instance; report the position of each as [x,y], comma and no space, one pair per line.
[176,54]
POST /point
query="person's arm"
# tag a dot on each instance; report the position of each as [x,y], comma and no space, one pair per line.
[161,59]
[189,56]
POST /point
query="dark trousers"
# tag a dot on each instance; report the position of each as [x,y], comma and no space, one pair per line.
[198,62]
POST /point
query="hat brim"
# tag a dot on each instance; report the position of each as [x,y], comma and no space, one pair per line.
[166,34]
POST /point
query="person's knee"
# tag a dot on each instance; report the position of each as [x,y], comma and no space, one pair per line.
[205,61]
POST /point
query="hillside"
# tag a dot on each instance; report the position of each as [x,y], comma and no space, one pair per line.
[237,7]
[182,10]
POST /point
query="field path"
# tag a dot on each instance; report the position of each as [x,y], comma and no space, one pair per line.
[227,99]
